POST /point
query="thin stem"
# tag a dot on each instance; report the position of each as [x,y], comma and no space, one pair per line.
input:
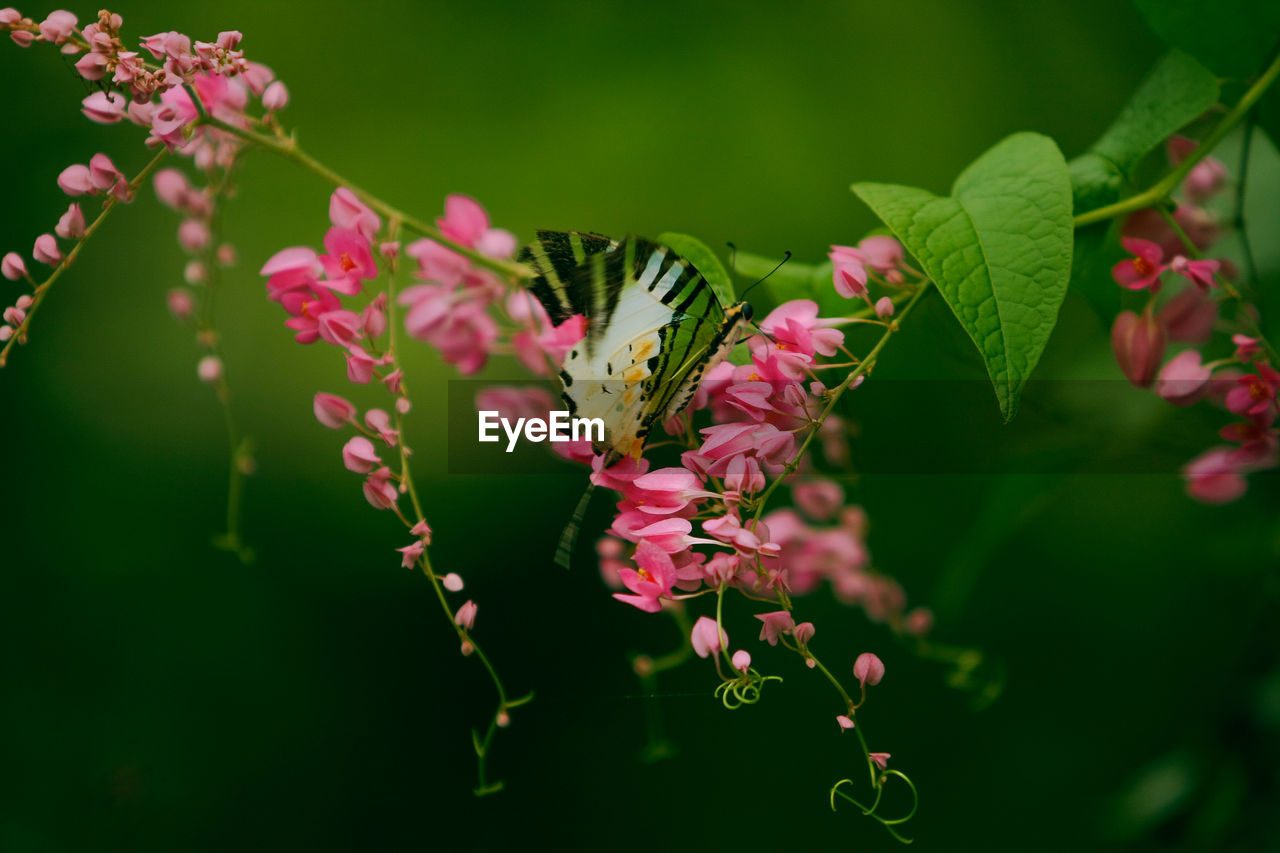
[483,786]
[42,289]
[1161,190]
[288,148]
[867,363]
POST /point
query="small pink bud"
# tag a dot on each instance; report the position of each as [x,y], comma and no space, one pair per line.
[332,411]
[844,722]
[884,307]
[389,249]
[422,530]
[71,225]
[227,255]
[13,266]
[76,180]
[803,632]
[92,66]
[410,553]
[359,455]
[10,16]
[1139,344]
[6,332]
[741,660]
[25,301]
[14,315]
[707,637]
[275,97]
[46,250]
[881,759]
[193,235]
[452,582]
[465,618]
[209,369]
[919,621]
[468,648]
[181,305]
[1246,347]
[403,405]
[102,172]
[503,719]
[22,38]
[171,187]
[194,272]
[868,669]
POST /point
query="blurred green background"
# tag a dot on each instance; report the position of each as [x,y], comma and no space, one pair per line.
[158,695]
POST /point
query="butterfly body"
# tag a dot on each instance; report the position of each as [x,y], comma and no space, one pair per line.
[654,327]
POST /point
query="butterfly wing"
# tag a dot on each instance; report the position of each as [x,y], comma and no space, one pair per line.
[654,327]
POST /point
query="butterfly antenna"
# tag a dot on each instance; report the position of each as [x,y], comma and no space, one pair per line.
[766,275]
[733,256]
[569,537]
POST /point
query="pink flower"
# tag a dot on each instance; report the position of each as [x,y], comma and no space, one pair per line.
[349,261]
[1254,392]
[818,499]
[881,253]
[378,489]
[359,455]
[58,27]
[881,759]
[655,578]
[339,327]
[209,369]
[193,235]
[465,618]
[290,269]
[13,266]
[333,411]
[1142,271]
[46,250]
[275,97]
[380,422]
[180,303]
[1246,347]
[172,189]
[666,491]
[918,622]
[1189,316]
[797,326]
[849,274]
[411,553]
[776,624]
[1200,273]
[1139,344]
[92,66]
[868,669]
[804,632]
[170,118]
[71,224]
[708,638]
[76,180]
[1184,379]
[348,211]
[452,582]
[423,531]
[741,660]
[466,223]
[1214,476]
[843,721]
[104,107]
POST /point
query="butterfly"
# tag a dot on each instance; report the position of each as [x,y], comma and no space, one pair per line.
[655,326]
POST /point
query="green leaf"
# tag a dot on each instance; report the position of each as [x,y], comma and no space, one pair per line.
[705,261]
[1177,91]
[998,249]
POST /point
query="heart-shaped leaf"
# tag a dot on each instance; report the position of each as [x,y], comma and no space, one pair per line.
[998,249]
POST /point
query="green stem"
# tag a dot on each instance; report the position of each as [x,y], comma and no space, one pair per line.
[288,148]
[483,786]
[1161,190]
[42,289]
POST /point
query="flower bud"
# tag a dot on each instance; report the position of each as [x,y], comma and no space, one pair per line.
[868,669]
[332,411]
[741,660]
[1184,380]
[465,618]
[707,637]
[1139,343]
[452,582]
[359,455]
[276,97]
[46,250]
[209,369]
[13,266]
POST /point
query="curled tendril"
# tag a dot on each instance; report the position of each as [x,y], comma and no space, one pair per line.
[870,811]
[743,690]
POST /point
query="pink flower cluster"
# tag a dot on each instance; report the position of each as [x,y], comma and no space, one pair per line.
[1140,341]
